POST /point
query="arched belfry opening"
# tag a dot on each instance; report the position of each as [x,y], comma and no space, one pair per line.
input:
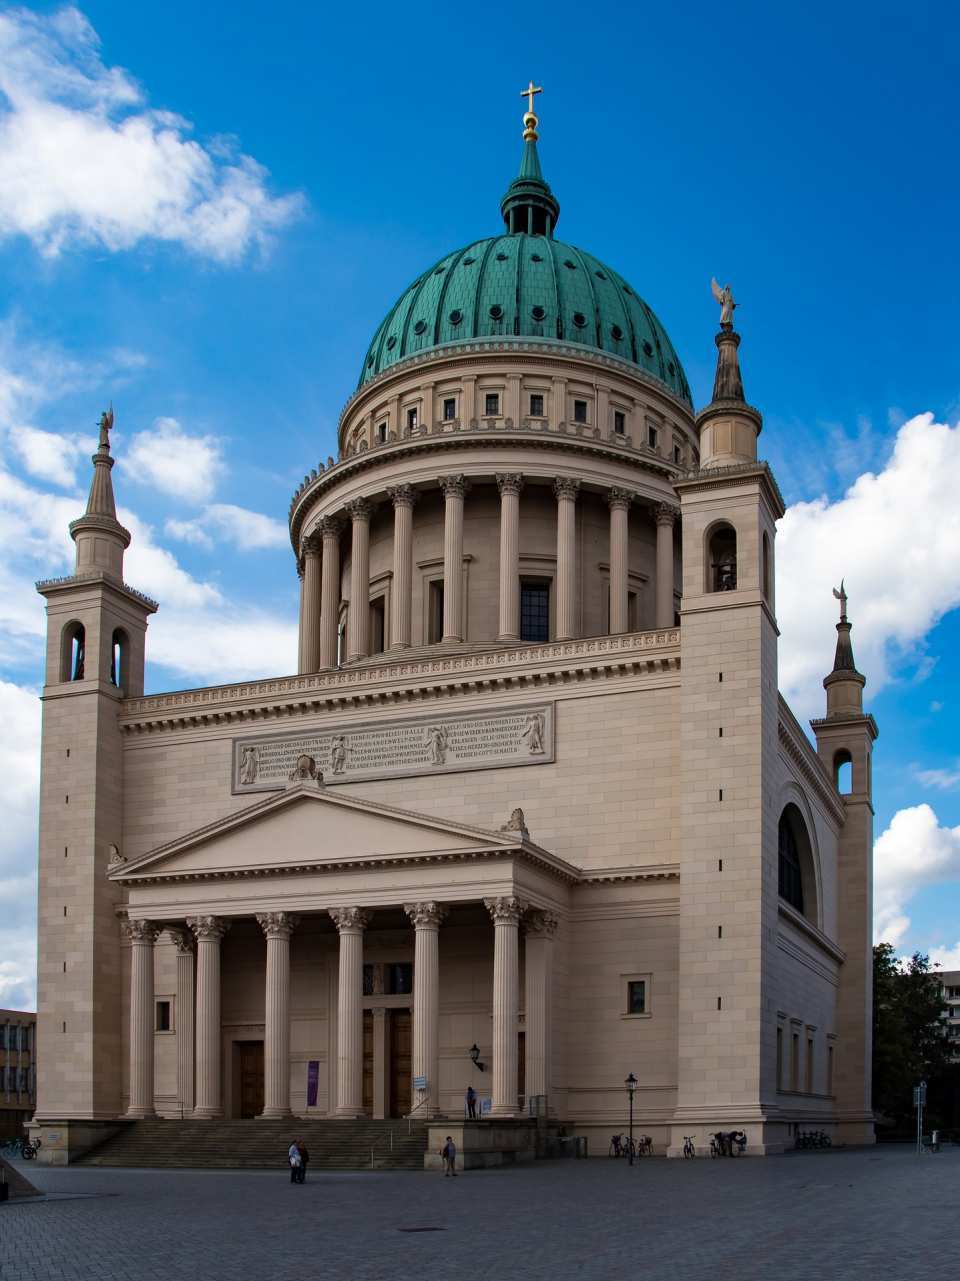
[73,646]
[721,558]
[843,772]
[766,569]
[120,660]
[796,871]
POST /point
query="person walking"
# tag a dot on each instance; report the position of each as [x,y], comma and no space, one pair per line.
[304,1161]
[449,1154]
[295,1160]
[471,1103]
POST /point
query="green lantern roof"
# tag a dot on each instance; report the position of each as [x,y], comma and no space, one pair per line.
[527,285]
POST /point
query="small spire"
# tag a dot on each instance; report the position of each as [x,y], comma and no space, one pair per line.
[843,659]
[101,501]
[100,538]
[844,685]
[728,384]
[529,205]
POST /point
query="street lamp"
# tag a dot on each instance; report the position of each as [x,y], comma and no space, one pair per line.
[631,1084]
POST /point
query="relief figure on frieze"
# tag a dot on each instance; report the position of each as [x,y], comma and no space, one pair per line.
[338,754]
[249,764]
[533,732]
[436,741]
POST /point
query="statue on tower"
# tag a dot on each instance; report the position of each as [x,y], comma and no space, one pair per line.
[724,297]
[106,426]
[841,596]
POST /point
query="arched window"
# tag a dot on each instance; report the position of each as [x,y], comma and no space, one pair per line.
[767,583]
[120,660]
[72,652]
[722,559]
[796,877]
[843,772]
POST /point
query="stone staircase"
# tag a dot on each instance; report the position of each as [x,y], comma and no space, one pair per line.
[258,1145]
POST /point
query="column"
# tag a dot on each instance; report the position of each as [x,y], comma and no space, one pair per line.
[208,931]
[468,401]
[426,918]
[454,488]
[277,927]
[330,529]
[358,642]
[566,610]
[142,936]
[506,913]
[300,654]
[619,502]
[401,597]
[512,407]
[510,485]
[350,923]
[539,929]
[558,403]
[665,517]
[311,604]
[185,1016]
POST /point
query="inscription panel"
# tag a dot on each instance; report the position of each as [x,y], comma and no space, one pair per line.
[394,748]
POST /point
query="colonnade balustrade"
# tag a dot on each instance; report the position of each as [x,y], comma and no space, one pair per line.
[199,1032]
[320,569]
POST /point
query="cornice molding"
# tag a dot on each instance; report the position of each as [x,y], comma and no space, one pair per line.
[736,474]
[46,586]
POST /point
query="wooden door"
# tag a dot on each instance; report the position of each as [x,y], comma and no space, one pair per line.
[368,1062]
[250,1056]
[401,1055]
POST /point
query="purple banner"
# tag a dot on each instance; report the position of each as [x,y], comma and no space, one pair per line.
[313,1082]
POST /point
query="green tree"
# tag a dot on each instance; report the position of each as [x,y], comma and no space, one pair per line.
[909,1044]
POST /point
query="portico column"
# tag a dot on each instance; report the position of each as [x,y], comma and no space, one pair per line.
[330,529]
[350,923]
[426,918]
[566,492]
[506,913]
[665,516]
[300,650]
[401,597]
[277,926]
[539,929]
[358,645]
[208,931]
[142,936]
[454,488]
[185,1015]
[311,604]
[510,485]
[619,501]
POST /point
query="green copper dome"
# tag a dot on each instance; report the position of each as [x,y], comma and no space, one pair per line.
[526,285]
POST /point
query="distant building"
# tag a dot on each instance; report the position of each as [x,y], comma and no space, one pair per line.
[18,1077]
[950,987]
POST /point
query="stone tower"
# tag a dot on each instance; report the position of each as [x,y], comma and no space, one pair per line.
[728,743]
[845,737]
[96,628]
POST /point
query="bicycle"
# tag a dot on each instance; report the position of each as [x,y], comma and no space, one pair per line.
[29,1150]
[645,1145]
[615,1149]
[688,1149]
[716,1145]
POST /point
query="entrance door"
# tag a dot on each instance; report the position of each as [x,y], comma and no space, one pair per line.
[248,1055]
[401,1041]
[521,1068]
[368,1062]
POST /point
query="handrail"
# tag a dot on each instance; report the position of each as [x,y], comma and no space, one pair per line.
[373,1148]
[409,1116]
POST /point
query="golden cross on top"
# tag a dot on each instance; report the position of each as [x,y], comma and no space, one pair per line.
[528,93]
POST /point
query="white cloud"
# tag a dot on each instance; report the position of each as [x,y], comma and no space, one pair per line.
[913,852]
[944,780]
[51,456]
[948,958]
[84,160]
[893,536]
[243,529]
[171,460]
[20,771]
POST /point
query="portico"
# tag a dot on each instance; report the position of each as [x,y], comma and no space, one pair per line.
[435,877]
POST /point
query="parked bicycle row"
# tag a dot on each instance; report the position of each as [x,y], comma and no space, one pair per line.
[812,1139]
[20,1147]
[722,1143]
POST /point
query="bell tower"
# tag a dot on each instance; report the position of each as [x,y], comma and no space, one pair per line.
[96,633]
[845,738]
[728,741]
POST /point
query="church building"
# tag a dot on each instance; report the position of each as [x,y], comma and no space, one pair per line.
[531,816]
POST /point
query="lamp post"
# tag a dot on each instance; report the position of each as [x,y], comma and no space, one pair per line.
[631,1084]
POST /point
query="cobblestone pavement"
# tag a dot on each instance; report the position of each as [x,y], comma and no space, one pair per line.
[851,1215]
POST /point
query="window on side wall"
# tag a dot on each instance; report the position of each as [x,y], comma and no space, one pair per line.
[579,411]
[534,610]
[164,1021]
[637,996]
[619,422]
[536,405]
[449,409]
[491,404]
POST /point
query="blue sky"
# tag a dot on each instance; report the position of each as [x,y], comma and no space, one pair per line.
[205,211]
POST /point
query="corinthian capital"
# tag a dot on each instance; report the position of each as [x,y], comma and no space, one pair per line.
[425,916]
[619,499]
[453,486]
[182,940]
[138,931]
[403,495]
[506,910]
[509,482]
[360,509]
[540,924]
[312,545]
[349,918]
[208,927]
[665,514]
[564,488]
[277,925]
[331,527]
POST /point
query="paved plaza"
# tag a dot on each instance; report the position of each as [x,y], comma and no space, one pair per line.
[850,1215]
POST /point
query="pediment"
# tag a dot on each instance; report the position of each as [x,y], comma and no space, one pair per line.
[310,827]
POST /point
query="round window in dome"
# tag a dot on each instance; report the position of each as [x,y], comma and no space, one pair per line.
[468,262]
[647,348]
[571,265]
[616,333]
[496,312]
[535,258]
[420,327]
[671,368]
[538,313]
[456,316]
[599,275]
[439,271]
[501,257]
[370,362]
[580,320]
[391,342]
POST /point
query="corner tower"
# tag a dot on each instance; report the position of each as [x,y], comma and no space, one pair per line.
[728,742]
[96,631]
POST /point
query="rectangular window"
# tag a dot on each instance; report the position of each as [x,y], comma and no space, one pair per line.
[633,611]
[449,409]
[809,1064]
[779,1058]
[829,1069]
[536,405]
[795,1062]
[619,422]
[652,437]
[637,996]
[388,978]
[435,621]
[164,1022]
[677,455]
[378,615]
[382,433]
[491,404]
[534,611]
[579,411]
[412,419]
